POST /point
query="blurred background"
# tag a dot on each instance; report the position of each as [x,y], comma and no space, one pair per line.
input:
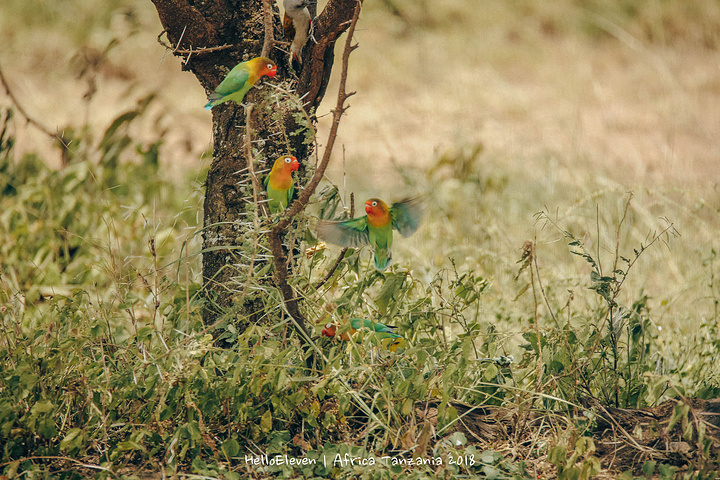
[624,89]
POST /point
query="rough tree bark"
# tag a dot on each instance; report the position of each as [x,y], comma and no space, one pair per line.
[212,37]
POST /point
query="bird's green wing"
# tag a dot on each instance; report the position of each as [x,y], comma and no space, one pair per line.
[350,233]
[235,81]
[358,323]
[382,334]
[385,330]
[406,215]
[233,87]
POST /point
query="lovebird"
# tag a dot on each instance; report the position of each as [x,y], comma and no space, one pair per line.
[279,183]
[381,332]
[240,79]
[296,27]
[375,228]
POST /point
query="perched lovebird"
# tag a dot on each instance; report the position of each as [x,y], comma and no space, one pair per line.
[240,79]
[279,183]
[296,26]
[381,332]
[375,228]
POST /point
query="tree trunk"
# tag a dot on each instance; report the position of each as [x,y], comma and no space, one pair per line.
[212,37]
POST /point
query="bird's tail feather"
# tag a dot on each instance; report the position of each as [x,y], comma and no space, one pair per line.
[383,259]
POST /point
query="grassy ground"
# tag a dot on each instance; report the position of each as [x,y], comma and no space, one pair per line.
[586,122]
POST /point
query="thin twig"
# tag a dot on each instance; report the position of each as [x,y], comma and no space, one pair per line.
[542,289]
[332,269]
[256,188]
[343,251]
[251,163]
[192,51]
[25,115]
[617,232]
[529,251]
[298,101]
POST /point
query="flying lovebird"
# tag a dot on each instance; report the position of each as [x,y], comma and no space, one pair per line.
[240,79]
[296,27]
[384,334]
[375,228]
[279,183]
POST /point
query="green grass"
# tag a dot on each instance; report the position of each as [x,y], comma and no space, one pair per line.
[108,371]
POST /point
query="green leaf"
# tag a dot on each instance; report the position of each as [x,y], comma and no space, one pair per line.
[590,468]
[199,465]
[533,339]
[231,447]
[569,473]
[194,431]
[266,421]
[679,412]
[457,439]
[407,406]
[73,439]
[393,283]
[648,467]
[558,456]
[666,471]
[130,445]
[42,407]
[584,445]
[491,473]
[491,372]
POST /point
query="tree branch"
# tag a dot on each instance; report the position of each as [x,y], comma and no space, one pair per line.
[342,252]
[269,41]
[332,269]
[329,25]
[185,24]
[22,111]
[59,137]
[192,51]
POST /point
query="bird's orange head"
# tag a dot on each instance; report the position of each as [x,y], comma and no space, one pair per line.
[377,212]
[286,164]
[264,66]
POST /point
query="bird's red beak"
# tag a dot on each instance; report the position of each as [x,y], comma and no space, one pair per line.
[273,70]
[368,208]
[294,165]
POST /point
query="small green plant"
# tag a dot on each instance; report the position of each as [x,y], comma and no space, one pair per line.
[608,356]
[580,465]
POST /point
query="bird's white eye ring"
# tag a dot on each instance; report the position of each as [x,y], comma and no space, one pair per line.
[269,66]
[328,325]
[288,159]
[374,204]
